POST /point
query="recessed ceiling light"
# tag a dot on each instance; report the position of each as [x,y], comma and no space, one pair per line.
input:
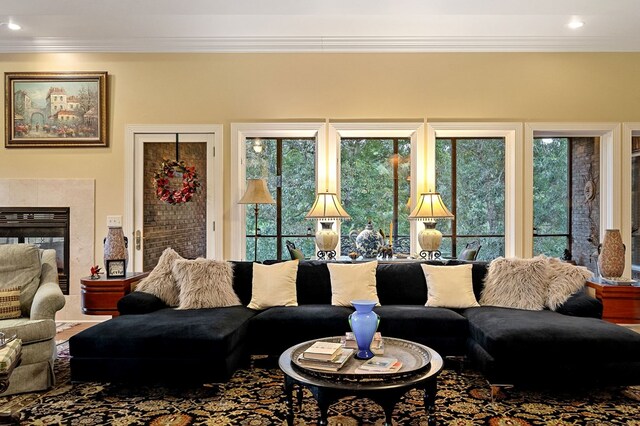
[574,25]
[11,25]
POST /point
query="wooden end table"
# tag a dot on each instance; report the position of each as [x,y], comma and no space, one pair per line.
[100,296]
[385,391]
[621,303]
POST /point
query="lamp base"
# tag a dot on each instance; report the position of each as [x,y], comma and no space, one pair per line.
[430,254]
[329,254]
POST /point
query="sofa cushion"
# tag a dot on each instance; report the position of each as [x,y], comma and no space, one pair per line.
[274,330]
[20,267]
[160,281]
[450,286]
[204,283]
[353,282]
[274,285]
[514,335]
[442,329]
[166,334]
[401,284]
[516,283]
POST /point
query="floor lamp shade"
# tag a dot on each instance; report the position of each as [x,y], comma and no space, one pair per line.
[256,193]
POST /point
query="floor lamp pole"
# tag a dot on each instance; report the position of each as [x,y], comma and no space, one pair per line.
[255,235]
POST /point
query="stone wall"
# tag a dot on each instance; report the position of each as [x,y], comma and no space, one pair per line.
[179,226]
[585,219]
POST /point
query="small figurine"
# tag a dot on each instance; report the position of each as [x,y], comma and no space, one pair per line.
[95,272]
[353,255]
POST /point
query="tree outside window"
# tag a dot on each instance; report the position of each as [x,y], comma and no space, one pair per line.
[375,186]
[470,175]
[288,165]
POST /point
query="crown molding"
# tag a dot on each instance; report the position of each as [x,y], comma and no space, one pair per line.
[312,44]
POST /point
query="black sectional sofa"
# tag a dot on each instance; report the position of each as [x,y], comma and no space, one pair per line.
[150,342]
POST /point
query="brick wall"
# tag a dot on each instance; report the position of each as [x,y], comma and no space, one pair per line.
[180,226]
[585,214]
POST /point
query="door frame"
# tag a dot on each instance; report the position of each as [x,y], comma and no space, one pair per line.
[215,176]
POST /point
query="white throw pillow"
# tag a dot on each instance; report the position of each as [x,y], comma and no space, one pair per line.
[449,286]
[274,285]
[516,283]
[564,280]
[353,282]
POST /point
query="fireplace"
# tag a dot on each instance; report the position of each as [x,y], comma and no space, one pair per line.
[45,227]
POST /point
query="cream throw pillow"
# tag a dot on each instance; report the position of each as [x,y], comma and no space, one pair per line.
[160,282]
[564,280]
[449,286]
[204,283]
[353,282]
[274,285]
[516,283]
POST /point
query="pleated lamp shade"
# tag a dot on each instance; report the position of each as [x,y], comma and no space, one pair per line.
[256,193]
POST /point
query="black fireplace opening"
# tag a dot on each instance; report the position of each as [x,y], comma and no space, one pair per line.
[45,227]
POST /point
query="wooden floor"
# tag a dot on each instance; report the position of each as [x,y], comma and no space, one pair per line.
[66,334]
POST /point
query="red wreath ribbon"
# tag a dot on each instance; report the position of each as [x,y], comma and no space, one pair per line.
[169,169]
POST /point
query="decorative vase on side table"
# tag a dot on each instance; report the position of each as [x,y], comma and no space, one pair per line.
[611,254]
[364,323]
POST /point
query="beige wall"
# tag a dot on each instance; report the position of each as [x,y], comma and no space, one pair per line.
[225,88]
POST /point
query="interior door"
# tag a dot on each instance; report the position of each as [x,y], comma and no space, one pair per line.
[187,227]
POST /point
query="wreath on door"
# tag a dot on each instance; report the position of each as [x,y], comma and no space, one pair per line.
[172,169]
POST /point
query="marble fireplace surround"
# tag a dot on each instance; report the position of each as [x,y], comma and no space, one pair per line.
[79,196]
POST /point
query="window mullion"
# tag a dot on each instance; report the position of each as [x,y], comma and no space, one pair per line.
[454,196]
[279,198]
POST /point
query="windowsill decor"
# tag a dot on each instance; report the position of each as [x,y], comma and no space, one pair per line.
[429,208]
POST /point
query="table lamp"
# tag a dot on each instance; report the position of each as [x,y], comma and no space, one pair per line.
[326,209]
[256,193]
[429,208]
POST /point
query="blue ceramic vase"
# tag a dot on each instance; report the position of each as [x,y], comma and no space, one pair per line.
[364,323]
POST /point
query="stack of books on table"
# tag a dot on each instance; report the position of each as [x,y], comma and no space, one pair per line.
[377,344]
[325,356]
[379,364]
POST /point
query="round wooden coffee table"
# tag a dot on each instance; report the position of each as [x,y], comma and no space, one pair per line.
[420,370]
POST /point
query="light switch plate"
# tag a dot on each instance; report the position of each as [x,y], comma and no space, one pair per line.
[114,221]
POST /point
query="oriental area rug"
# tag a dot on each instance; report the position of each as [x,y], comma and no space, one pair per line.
[254,397]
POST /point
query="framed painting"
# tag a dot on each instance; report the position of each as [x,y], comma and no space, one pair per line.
[55,109]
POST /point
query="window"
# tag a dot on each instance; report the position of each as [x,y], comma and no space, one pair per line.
[288,165]
[375,186]
[551,196]
[470,175]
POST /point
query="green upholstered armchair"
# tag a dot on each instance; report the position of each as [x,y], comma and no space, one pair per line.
[35,272]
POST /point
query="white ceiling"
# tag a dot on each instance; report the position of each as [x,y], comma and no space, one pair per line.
[318,25]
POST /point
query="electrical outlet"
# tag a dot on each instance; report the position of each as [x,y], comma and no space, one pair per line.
[114,221]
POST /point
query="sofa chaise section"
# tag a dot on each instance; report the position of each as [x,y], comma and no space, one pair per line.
[167,345]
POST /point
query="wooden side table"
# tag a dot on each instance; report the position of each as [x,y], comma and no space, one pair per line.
[621,303]
[100,296]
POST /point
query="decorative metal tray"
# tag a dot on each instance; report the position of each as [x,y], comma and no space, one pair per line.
[415,358]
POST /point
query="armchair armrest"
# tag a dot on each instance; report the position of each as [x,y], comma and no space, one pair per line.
[47,301]
[580,304]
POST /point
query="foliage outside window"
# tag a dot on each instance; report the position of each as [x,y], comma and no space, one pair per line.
[375,185]
[288,165]
[551,195]
[470,176]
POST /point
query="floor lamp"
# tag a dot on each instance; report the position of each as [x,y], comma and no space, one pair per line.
[256,193]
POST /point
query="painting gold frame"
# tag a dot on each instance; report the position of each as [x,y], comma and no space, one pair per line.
[56,109]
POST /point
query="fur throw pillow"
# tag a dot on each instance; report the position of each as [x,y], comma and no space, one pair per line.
[564,280]
[516,283]
[204,283]
[159,282]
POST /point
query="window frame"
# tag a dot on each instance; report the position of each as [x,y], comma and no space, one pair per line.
[512,134]
[239,133]
[414,131]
